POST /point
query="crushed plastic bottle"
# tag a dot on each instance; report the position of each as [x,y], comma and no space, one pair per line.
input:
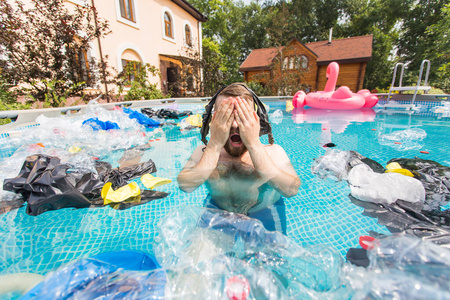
[276,117]
[408,139]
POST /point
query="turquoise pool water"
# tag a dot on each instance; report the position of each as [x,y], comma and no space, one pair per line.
[321,213]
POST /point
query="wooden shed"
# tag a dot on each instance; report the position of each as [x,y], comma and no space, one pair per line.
[312,59]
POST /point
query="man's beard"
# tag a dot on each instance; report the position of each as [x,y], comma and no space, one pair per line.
[235,151]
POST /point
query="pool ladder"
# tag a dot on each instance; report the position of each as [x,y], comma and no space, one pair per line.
[415,88]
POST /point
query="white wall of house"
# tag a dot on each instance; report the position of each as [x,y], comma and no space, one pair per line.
[144,37]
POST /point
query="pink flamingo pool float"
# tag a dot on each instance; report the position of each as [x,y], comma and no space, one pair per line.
[341,99]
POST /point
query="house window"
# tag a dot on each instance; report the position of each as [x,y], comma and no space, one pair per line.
[304,62]
[187,31]
[83,65]
[291,62]
[168,30]
[285,62]
[127,10]
[130,71]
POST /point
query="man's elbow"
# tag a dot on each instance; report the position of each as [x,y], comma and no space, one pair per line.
[185,185]
[186,188]
[292,190]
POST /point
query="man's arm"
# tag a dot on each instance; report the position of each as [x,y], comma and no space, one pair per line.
[281,176]
[198,169]
[201,164]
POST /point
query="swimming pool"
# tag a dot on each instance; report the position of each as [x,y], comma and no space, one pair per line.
[321,213]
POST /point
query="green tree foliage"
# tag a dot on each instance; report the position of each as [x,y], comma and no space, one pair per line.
[441,50]
[135,77]
[44,44]
[403,30]
[417,42]
[382,18]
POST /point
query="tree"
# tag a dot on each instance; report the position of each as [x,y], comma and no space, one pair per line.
[285,75]
[201,75]
[47,43]
[382,18]
[135,76]
[416,42]
[441,51]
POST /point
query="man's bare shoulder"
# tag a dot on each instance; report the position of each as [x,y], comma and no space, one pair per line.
[274,149]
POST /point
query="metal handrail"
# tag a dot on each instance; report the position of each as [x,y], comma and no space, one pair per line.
[416,88]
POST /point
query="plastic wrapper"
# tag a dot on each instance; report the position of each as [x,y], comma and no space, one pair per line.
[333,165]
[45,185]
[96,124]
[211,254]
[203,254]
[198,237]
[443,110]
[401,140]
[119,177]
[407,217]
[66,133]
[367,185]
[276,117]
[434,177]
[165,113]
[141,118]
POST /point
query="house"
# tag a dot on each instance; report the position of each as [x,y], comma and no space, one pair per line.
[312,59]
[147,31]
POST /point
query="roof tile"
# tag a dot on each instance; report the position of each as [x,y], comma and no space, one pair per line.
[340,49]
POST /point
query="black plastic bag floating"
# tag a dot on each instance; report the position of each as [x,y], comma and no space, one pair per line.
[165,113]
[119,177]
[46,184]
[435,179]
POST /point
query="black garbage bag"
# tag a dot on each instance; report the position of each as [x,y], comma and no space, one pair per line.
[409,218]
[45,185]
[165,113]
[435,179]
[119,176]
[356,158]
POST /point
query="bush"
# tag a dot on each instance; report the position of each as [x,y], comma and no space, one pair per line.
[135,77]
[259,89]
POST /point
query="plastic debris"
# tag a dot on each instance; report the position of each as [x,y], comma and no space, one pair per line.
[96,124]
[194,120]
[166,113]
[434,177]
[276,117]
[409,139]
[123,193]
[141,118]
[152,182]
[212,254]
[395,167]
[45,184]
[74,149]
[367,185]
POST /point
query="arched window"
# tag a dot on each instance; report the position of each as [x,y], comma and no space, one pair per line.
[131,64]
[168,30]
[187,31]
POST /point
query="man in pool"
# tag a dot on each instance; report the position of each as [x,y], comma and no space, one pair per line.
[241,174]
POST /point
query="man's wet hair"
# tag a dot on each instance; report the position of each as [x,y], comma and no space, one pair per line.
[238,90]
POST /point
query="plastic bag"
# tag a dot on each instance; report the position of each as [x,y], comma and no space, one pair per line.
[141,118]
[96,124]
[367,185]
[276,117]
